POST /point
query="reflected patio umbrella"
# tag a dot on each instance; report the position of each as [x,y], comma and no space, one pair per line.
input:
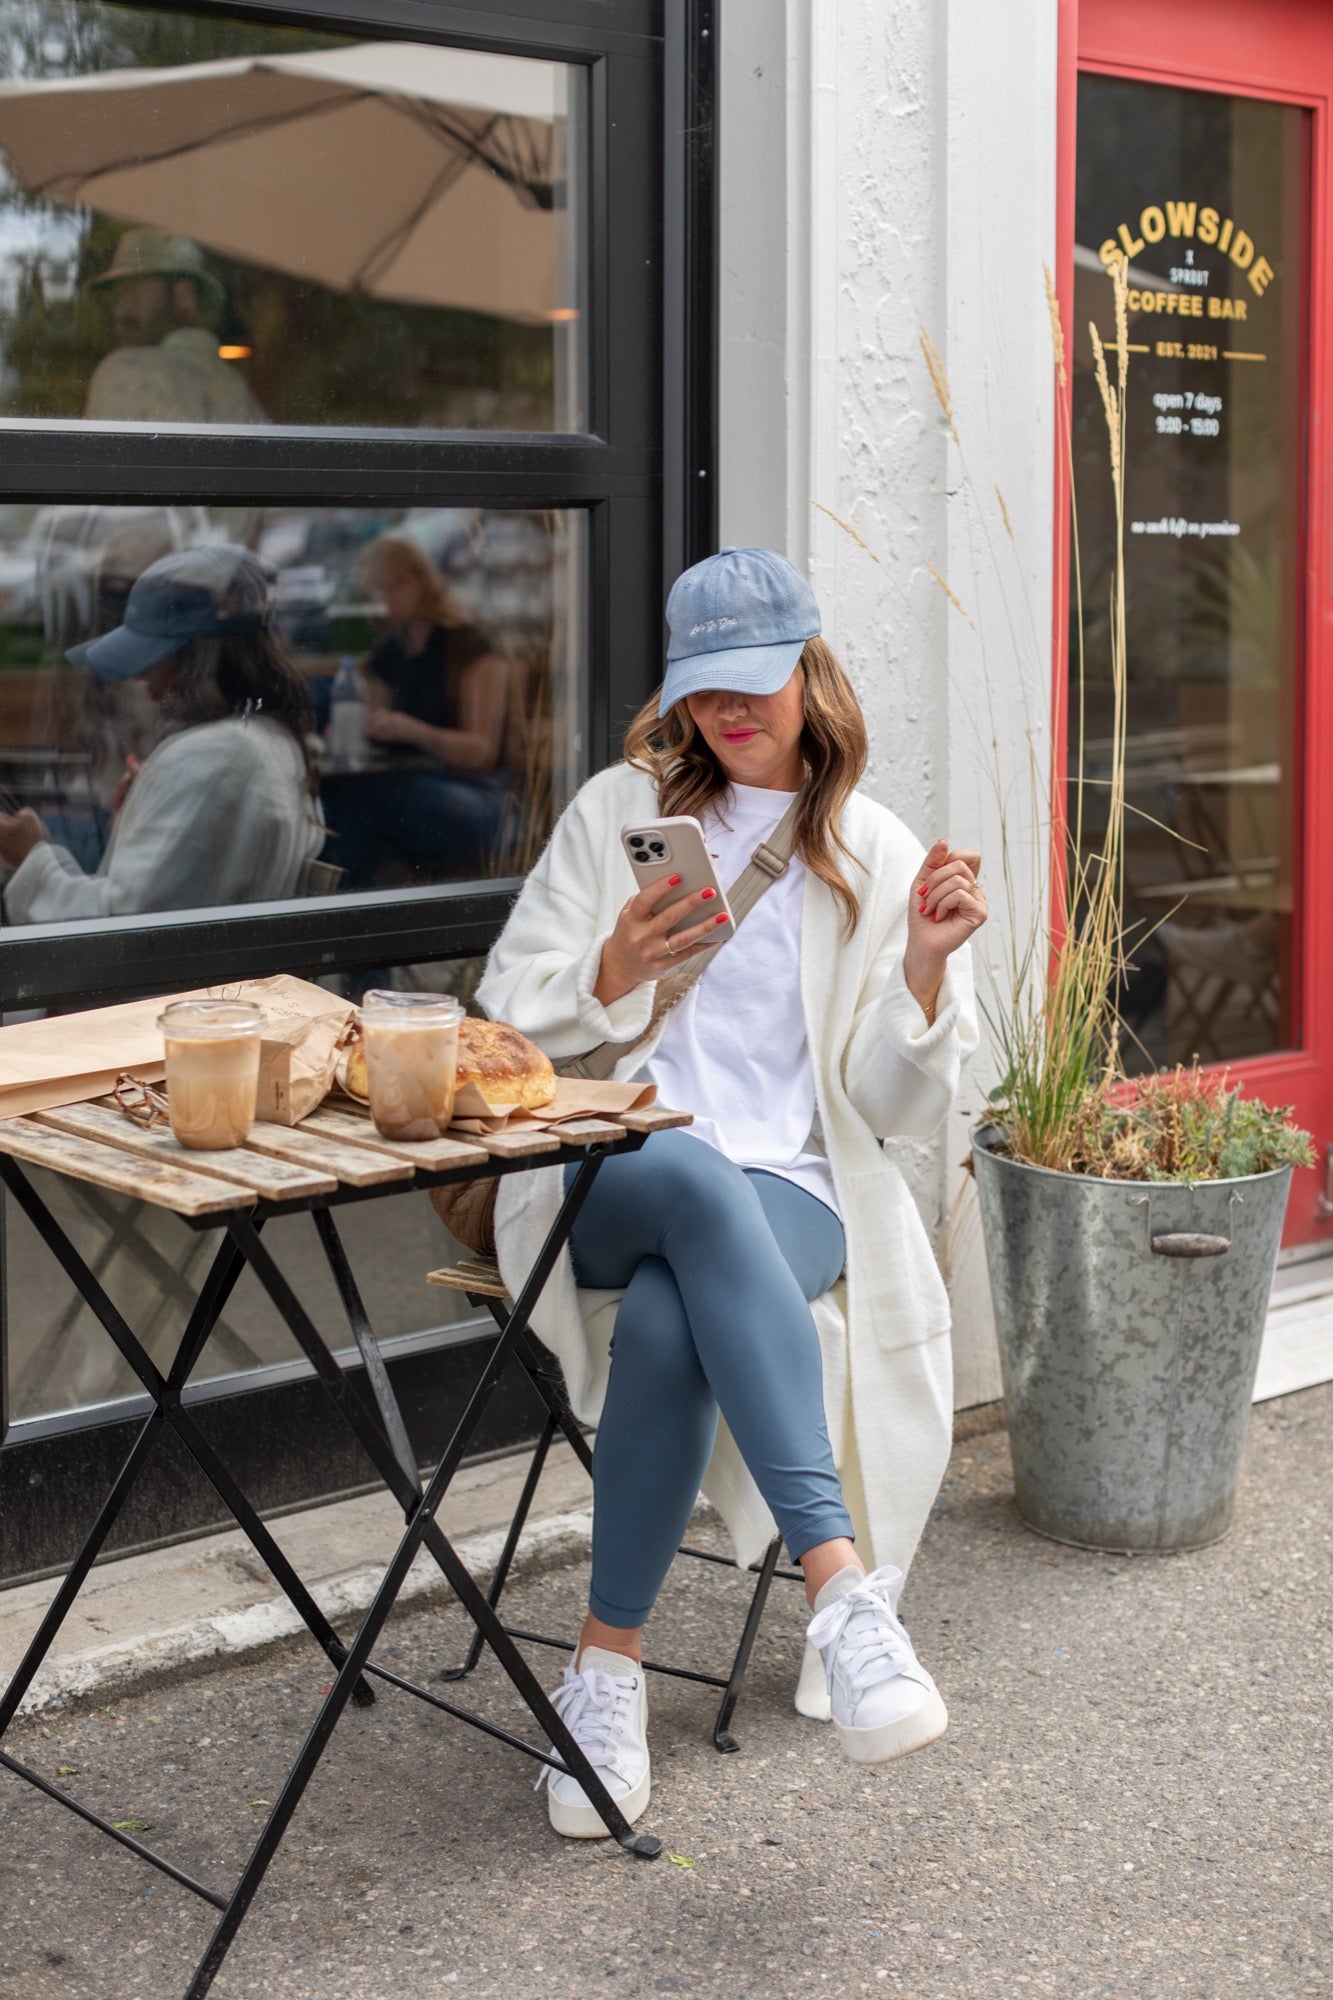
[396,170]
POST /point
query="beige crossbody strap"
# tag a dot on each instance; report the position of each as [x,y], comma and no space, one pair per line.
[765,865]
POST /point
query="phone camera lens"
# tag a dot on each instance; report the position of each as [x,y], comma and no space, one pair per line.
[658,849]
[636,840]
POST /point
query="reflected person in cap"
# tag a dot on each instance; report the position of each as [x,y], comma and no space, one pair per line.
[224,810]
[165,304]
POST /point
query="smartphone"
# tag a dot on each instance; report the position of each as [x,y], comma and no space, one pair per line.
[657,849]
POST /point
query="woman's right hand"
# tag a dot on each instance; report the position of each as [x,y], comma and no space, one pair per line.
[638,947]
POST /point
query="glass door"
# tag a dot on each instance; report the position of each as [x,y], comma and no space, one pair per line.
[1207,197]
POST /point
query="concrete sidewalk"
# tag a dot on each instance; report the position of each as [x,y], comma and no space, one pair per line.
[141,1616]
[1132,1799]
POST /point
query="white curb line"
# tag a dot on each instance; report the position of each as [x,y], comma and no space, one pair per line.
[233,1634]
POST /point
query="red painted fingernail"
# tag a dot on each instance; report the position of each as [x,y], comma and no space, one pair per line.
[673,881]
[722,919]
[934,916]
[708,894]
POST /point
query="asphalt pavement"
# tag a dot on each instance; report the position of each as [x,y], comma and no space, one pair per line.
[1132,1800]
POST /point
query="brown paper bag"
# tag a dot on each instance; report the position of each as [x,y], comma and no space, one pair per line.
[69,1057]
[304,1032]
[575,1097]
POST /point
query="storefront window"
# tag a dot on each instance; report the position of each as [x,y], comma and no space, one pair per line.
[205,706]
[296,323]
[1202,198]
[211,221]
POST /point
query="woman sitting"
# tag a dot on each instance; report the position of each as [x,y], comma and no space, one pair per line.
[224,809]
[437,693]
[838,1016]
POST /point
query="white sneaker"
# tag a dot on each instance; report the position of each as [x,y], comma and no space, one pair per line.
[811,1699]
[605,1708]
[884,1702]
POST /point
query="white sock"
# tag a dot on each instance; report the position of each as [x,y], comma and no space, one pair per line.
[839,1585]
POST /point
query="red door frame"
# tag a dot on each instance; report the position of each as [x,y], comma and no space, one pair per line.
[1281,50]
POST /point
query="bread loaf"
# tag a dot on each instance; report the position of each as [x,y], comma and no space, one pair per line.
[505,1066]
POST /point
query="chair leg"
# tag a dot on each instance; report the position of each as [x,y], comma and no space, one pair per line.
[722,1737]
[509,1550]
[548,1381]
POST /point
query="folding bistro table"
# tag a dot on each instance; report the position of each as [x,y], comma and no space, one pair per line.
[329,1161]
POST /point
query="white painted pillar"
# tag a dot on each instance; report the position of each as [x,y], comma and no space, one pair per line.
[889,164]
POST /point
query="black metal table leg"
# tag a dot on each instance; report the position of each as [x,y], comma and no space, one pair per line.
[210,1303]
[166,1391]
[560,1420]
[77,1574]
[367,1346]
[421,1530]
[501,1574]
[266,1548]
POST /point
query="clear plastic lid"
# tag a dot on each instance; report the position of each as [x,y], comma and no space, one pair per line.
[410,1010]
[210,1020]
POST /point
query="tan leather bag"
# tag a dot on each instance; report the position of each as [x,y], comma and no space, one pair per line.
[467,1208]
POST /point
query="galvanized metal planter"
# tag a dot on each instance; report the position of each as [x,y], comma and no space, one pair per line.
[1130,1317]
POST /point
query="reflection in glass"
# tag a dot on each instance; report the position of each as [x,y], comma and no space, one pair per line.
[1202,196]
[204,707]
[224,808]
[206,220]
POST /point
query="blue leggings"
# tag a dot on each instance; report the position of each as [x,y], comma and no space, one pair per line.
[718,1265]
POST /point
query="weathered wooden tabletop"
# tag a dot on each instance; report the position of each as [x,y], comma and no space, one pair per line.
[336,1145]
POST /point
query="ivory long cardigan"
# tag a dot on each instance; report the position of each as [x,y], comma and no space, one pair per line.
[880,1072]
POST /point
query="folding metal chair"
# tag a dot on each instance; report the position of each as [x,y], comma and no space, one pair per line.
[479,1279]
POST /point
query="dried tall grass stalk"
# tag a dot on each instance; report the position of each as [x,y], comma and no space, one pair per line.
[1052,1009]
[952,595]
[1057,330]
[939,382]
[1059,1037]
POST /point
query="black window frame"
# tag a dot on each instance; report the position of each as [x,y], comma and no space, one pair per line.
[645,475]
[650,349]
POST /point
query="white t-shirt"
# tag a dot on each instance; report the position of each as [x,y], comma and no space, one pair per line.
[734,1050]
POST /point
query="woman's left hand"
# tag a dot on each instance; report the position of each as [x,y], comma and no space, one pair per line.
[946,905]
[20,832]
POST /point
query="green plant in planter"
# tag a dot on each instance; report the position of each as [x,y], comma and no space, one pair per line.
[1187,1125]
[1131,1227]
[1131,1283]
[1063,1101]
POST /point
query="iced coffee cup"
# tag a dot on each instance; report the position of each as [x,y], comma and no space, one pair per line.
[411,1045]
[212,1071]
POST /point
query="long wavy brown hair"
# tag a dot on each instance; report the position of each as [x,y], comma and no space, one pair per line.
[394,555]
[689,777]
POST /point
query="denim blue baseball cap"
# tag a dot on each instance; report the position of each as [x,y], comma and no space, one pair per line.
[203,593]
[737,620]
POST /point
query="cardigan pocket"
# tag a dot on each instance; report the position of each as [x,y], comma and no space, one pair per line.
[894,1285]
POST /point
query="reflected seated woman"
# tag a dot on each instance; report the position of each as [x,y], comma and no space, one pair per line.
[437,693]
[223,811]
